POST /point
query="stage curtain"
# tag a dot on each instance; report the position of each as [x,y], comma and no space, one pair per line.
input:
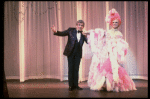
[42,52]
[11,39]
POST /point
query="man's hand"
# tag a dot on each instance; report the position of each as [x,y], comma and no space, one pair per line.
[53,29]
[85,33]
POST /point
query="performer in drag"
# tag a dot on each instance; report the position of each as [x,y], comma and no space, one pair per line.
[109,50]
[73,51]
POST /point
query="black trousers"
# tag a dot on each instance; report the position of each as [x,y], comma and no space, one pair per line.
[73,70]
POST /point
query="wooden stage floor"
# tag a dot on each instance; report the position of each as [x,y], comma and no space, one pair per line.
[53,88]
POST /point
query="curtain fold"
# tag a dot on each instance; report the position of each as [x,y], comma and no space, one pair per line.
[94,16]
[11,39]
[43,52]
[136,28]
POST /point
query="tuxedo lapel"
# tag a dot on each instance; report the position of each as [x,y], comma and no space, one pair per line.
[74,37]
[81,40]
[74,34]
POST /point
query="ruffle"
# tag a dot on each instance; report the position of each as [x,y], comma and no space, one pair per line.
[103,74]
[101,68]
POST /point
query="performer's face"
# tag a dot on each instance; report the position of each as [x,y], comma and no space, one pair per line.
[80,26]
[115,24]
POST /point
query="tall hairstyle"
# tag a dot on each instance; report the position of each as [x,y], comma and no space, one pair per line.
[111,16]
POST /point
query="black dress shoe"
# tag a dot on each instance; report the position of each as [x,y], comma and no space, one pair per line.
[78,88]
[71,88]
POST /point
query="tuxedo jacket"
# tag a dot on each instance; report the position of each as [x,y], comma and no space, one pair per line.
[72,37]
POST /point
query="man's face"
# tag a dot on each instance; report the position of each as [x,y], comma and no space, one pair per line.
[80,26]
[115,24]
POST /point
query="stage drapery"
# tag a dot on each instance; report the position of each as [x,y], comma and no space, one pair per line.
[31,51]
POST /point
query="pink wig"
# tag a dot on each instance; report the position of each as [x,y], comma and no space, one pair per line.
[112,15]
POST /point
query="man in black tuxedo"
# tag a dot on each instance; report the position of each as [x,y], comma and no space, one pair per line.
[73,51]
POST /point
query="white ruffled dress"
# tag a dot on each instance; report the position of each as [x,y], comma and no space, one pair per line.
[109,50]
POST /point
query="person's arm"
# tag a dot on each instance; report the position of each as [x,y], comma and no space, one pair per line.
[85,33]
[93,46]
[60,33]
[86,39]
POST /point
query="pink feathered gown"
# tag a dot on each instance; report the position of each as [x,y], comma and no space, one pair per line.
[109,50]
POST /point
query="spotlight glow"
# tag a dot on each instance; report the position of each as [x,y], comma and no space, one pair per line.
[21,43]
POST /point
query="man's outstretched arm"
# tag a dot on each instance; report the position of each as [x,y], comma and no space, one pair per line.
[59,33]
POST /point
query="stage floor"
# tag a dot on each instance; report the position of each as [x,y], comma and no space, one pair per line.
[53,88]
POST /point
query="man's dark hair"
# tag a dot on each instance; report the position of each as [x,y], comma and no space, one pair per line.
[80,21]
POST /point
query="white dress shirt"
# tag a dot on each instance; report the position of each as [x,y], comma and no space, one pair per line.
[78,36]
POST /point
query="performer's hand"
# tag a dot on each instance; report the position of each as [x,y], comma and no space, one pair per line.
[85,33]
[53,29]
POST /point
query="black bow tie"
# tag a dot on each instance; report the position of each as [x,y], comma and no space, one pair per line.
[80,31]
